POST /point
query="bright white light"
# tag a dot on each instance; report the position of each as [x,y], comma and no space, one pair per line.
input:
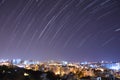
[115,67]
[26,74]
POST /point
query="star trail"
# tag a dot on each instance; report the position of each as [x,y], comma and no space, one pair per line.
[72,30]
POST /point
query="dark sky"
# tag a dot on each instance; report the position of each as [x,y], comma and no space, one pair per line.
[72,30]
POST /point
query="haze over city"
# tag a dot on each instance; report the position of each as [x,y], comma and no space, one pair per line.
[71,30]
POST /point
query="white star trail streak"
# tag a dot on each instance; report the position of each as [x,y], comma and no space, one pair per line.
[44,29]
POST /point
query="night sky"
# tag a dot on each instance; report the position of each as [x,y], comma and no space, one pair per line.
[71,30]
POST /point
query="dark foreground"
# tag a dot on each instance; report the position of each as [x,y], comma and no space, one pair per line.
[16,73]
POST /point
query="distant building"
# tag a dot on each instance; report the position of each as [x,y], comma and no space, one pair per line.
[114,66]
[16,61]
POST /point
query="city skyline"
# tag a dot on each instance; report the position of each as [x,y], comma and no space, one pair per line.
[71,30]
